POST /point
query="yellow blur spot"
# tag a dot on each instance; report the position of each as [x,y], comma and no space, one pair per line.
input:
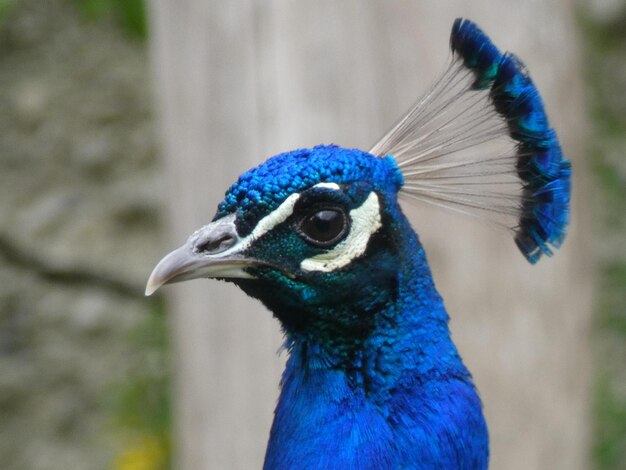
[148,454]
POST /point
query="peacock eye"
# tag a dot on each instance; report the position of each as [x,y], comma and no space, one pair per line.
[324,227]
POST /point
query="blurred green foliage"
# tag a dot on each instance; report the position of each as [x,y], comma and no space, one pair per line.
[610,416]
[141,405]
[130,13]
[609,449]
[605,63]
[611,305]
[5,8]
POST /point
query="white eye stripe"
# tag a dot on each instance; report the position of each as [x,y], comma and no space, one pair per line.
[277,216]
[267,223]
[280,214]
[334,186]
[366,221]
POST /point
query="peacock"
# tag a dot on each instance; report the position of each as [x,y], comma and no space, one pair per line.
[373,379]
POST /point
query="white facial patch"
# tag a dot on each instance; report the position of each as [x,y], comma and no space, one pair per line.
[366,221]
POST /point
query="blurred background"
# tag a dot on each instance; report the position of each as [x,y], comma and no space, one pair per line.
[123,122]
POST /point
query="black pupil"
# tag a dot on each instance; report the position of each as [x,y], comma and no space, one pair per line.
[324,225]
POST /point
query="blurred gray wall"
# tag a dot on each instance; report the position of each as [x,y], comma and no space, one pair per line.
[240,81]
[79,227]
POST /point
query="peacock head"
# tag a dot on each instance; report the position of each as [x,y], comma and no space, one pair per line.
[308,232]
[317,234]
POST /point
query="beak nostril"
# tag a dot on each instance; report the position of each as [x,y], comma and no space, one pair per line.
[216,243]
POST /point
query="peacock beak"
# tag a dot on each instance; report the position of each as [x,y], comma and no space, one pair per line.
[213,251]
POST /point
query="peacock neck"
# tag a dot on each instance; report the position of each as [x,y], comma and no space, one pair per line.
[376,402]
[407,341]
[402,336]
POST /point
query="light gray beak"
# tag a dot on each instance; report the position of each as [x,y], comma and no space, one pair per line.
[215,250]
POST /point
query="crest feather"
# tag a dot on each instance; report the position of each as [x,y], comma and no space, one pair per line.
[479,142]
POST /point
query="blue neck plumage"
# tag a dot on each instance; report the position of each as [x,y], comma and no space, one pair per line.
[376,402]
